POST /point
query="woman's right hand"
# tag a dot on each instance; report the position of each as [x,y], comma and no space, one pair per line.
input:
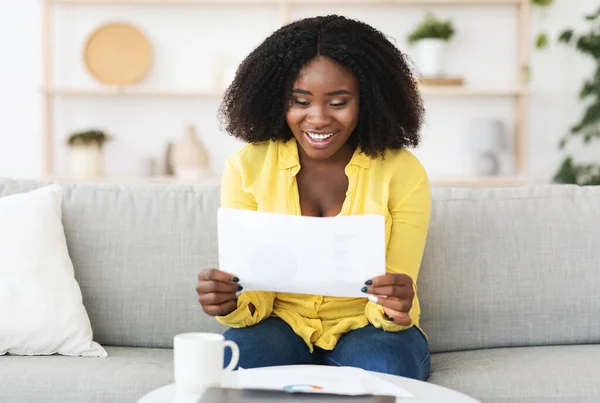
[217,292]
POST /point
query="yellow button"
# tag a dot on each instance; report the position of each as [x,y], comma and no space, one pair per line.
[314,316]
[318,299]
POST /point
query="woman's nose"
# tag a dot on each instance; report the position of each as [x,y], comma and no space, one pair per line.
[318,117]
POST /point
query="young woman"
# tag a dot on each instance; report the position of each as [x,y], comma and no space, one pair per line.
[328,107]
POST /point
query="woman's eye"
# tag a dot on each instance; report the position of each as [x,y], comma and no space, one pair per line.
[338,104]
[301,102]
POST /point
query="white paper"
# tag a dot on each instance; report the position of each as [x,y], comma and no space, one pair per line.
[329,256]
[313,379]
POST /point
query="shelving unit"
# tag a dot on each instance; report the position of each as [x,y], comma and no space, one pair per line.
[291,2]
[492,181]
[519,94]
[166,93]
[133,179]
[130,92]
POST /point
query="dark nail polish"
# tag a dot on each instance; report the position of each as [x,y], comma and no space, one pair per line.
[240,288]
[235,279]
[390,319]
[369,282]
[364,289]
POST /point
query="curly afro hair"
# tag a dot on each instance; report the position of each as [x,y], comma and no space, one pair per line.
[254,106]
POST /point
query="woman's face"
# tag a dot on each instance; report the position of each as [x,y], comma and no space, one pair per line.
[324,108]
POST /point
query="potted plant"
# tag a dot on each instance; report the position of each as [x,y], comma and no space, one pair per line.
[86,149]
[587,129]
[430,37]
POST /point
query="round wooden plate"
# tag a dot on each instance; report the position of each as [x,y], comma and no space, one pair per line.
[118,54]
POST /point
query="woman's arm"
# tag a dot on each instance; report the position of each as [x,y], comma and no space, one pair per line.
[252,306]
[410,209]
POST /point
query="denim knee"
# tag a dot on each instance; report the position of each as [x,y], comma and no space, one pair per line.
[409,366]
[268,343]
[404,353]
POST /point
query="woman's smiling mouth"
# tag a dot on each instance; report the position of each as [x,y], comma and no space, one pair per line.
[319,140]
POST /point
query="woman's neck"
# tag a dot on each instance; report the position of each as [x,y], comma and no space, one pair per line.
[341,158]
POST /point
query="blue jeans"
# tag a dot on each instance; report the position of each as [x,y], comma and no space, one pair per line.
[273,342]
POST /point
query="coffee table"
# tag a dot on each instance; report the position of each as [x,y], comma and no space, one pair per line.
[423,392]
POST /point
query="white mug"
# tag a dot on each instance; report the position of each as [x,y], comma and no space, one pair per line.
[198,360]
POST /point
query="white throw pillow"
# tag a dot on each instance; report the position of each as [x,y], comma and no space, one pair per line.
[41,307]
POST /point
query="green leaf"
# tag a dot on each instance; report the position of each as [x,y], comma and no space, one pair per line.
[588,174]
[542,3]
[528,75]
[591,134]
[575,129]
[589,44]
[565,36]
[562,144]
[594,181]
[541,41]
[578,174]
[592,17]
[589,88]
[590,117]
[566,173]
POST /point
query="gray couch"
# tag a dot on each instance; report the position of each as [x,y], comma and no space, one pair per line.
[510,291]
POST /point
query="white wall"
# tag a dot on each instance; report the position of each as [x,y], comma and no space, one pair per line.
[183,37]
[20,105]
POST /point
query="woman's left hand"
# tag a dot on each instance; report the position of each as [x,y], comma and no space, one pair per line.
[395,293]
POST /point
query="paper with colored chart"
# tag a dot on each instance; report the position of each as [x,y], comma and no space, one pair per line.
[319,379]
[331,256]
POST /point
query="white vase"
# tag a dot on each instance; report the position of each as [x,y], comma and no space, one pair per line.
[488,140]
[189,157]
[487,164]
[86,161]
[430,57]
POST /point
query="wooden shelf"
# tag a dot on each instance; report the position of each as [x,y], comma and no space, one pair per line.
[291,2]
[171,2]
[134,179]
[430,91]
[134,92]
[490,181]
[445,91]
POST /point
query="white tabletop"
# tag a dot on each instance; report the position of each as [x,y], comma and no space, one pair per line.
[423,392]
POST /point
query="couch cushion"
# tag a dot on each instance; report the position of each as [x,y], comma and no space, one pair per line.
[40,301]
[562,374]
[137,251]
[512,267]
[125,376]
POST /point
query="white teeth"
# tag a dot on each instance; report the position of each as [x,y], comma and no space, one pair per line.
[316,136]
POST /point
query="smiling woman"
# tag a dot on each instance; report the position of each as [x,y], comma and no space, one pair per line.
[329,107]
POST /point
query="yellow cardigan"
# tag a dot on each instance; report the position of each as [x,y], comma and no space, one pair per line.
[263,177]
